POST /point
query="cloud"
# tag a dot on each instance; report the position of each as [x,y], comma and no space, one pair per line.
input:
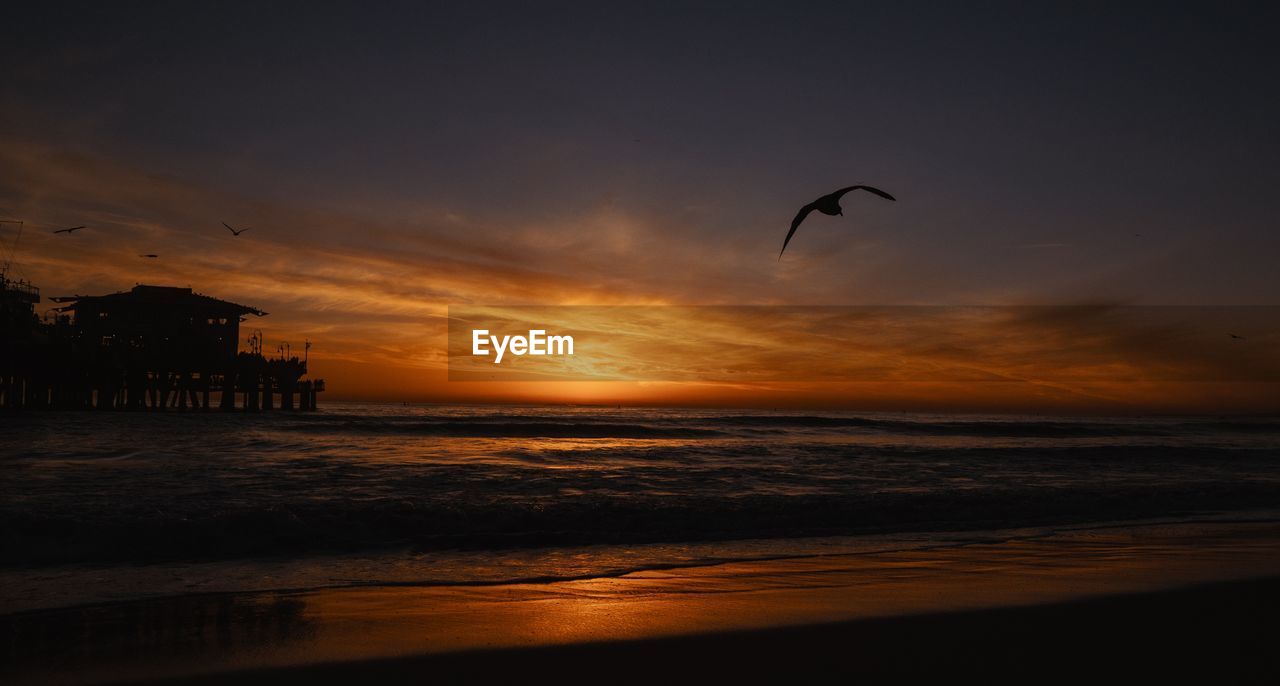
[372,289]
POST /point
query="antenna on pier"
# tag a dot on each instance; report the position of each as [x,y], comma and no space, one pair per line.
[306,351]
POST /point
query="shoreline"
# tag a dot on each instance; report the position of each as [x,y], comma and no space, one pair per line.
[35,589]
[212,636]
[1220,631]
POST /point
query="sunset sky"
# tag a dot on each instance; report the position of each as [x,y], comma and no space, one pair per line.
[399,159]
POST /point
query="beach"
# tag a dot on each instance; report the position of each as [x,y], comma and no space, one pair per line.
[384,542]
[1090,596]
[1208,632]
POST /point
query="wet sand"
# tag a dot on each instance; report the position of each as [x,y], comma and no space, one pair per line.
[1165,599]
[1223,633]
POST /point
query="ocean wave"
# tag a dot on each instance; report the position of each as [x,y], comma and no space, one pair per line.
[503,429]
[136,487]
[615,426]
[1023,429]
[282,527]
[1014,428]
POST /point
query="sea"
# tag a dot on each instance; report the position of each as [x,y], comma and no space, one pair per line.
[100,507]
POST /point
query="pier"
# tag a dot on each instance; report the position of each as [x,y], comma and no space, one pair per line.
[149,348]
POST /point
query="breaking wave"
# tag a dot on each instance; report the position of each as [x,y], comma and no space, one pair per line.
[126,487]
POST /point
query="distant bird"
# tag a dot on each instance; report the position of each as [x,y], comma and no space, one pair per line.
[1239,338]
[148,255]
[827,204]
[233,231]
[74,228]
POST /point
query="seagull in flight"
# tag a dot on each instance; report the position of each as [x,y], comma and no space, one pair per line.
[1238,338]
[148,255]
[827,204]
[233,231]
[68,231]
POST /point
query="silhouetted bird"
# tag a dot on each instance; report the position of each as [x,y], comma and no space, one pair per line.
[74,228]
[1239,338]
[827,204]
[234,231]
[148,255]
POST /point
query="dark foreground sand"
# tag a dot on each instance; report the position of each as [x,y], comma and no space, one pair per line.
[1150,601]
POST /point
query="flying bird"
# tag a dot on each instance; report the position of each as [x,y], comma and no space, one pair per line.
[1239,338]
[74,228]
[827,204]
[148,255]
[233,231]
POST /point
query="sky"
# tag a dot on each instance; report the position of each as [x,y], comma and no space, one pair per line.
[398,159]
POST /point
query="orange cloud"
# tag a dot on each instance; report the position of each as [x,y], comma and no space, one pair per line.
[372,291]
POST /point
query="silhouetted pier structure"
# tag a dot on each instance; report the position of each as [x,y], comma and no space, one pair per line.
[152,347]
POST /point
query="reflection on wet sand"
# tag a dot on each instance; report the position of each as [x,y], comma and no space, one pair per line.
[214,633]
[184,633]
